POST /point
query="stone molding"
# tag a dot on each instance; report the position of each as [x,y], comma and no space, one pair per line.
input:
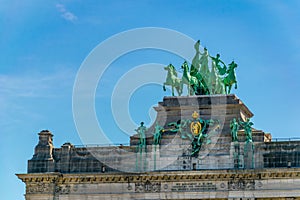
[179,176]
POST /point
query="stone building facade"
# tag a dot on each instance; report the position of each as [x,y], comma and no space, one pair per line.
[223,169]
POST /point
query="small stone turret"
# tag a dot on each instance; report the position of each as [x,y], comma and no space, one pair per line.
[42,160]
[43,150]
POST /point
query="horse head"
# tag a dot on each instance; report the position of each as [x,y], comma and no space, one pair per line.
[185,66]
[232,65]
[168,67]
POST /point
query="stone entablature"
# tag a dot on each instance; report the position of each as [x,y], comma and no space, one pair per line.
[253,183]
[167,176]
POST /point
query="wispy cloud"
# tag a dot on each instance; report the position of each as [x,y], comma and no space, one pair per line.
[19,93]
[66,14]
[35,85]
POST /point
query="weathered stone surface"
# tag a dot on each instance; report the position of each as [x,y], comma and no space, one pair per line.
[173,153]
[223,170]
[193,184]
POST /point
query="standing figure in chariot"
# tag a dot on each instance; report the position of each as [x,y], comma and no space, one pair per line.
[195,70]
[217,74]
[204,70]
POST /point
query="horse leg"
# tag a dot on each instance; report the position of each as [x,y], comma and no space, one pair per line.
[223,88]
[173,90]
[235,87]
[191,90]
[178,90]
[194,88]
[181,87]
[229,89]
[164,87]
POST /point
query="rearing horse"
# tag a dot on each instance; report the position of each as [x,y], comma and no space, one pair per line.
[172,80]
[191,81]
[230,79]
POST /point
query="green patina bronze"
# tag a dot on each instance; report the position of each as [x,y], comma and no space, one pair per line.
[216,61]
[204,136]
[207,75]
[216,84]
[191,81]
[172,80]
[230,78]
[157,134]
[204,70]
[217,73]
[200,79]
[141,130]
[195,71]
[249,145]
[197,137]
[234,126]
[247,125]
[196,60]
[157,139]
[181,127]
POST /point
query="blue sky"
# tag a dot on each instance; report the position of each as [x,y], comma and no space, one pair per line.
[43,44]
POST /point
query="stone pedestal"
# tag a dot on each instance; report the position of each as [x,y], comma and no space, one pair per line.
[218,107]
[221,107]
[220,153]
[141,160]
[155,157]
[249,155]
[235,155]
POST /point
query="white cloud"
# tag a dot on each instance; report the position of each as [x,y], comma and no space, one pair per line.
[17,91]
[35,85]
[66,14]
[69,16]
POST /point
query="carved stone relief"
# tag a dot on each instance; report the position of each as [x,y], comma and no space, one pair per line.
[241,184]
[38,188]
[147,187]
[65,189]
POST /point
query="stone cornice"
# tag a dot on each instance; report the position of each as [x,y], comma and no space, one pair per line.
[231,101]
[39,177]
[174,176]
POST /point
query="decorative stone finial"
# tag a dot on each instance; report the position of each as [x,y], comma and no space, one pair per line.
[195,115]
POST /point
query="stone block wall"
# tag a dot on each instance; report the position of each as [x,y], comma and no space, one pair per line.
[173,154]
[281,154]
